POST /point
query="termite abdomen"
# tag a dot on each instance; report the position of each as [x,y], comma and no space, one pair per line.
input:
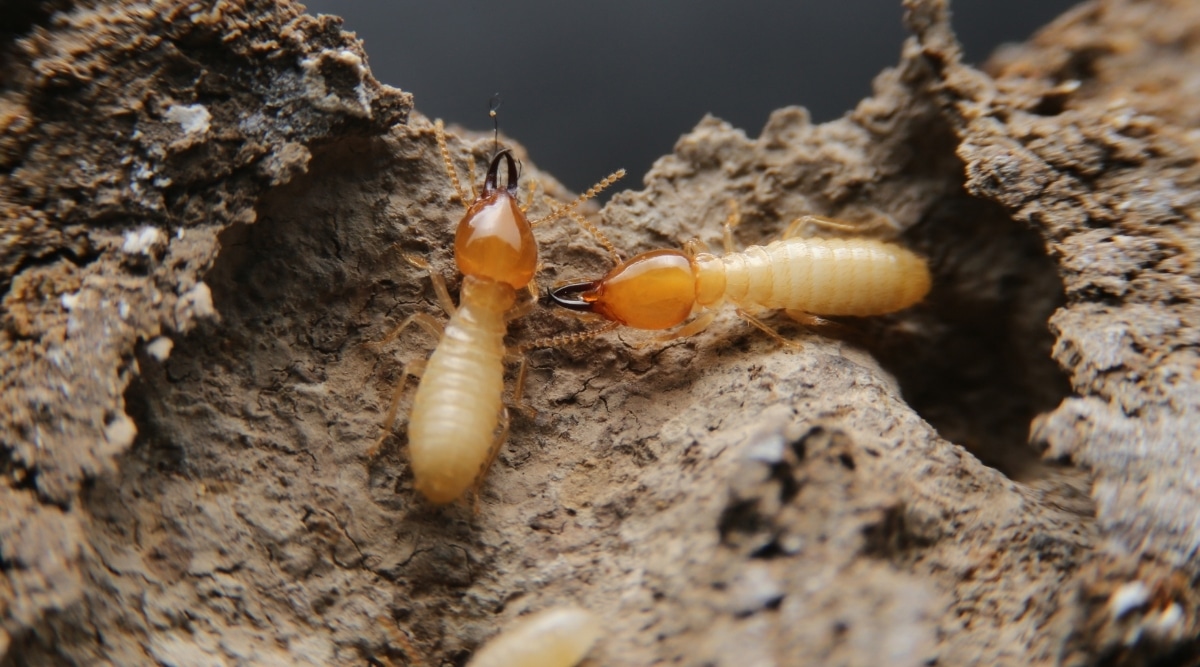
[827,276]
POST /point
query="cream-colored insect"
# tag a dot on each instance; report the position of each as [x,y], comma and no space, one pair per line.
[556,637]
[807,277]
[458,419]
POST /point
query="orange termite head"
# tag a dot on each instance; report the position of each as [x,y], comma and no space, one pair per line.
[655,290]
[494,240]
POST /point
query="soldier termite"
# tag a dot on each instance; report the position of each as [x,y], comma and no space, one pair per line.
[556,637]
[458,419]
[806,277]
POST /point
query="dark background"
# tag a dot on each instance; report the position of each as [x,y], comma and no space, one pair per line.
[590,87]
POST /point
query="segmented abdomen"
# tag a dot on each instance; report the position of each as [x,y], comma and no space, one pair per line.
[454,416]
[827,276]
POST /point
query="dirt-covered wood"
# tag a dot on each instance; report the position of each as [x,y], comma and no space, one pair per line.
[194,280]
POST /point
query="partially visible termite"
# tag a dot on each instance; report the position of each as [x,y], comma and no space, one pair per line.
[556,637]
[806,277]
[458,419]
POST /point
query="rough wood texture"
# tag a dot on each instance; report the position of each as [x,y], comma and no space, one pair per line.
[246,190]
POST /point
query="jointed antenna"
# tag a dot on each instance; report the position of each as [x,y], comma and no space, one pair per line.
[494,112]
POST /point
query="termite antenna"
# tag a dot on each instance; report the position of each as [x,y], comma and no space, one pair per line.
[591,193]
[567,339]
[494,113]
[597,234]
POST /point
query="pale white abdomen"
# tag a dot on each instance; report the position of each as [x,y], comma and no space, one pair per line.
[453,424]
[826,276]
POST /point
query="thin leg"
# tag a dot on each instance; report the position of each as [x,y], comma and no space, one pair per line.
[424,320]
[494,452]
[828,327]
[690,329]
[440,131]
[415,368]
[524,305]
[518,394]
[443,294]
[794,227]
[732,220]
[439,284]
[693,247]
[765,328]
[808,319]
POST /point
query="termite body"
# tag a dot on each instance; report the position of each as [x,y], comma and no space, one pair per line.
[556,637]
[458,419]
[452,429]
[807,277]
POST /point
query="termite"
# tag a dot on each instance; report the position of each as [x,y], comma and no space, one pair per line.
[806,277]
[458,420]
[556,637]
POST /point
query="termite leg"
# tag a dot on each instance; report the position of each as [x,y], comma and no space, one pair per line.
[424,320]
[732,220]
[415,368]
[440,131]
[690,329]
[494,452]
[693,247]
[765,328]
[808,319]
[518,394]
[524,305]
[439,284]
[828,327]
[794,227]
[443,294]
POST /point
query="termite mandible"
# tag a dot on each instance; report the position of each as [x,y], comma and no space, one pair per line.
[806,277]
[458,420]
